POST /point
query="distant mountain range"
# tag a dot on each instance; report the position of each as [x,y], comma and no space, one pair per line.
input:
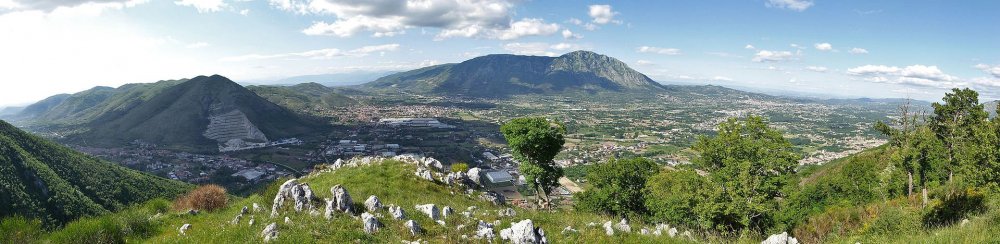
[501,75]
[43,180]
[303,97]
[333,80]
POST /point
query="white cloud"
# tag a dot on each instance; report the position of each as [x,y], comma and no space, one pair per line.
[823,46]
[658,50]
[326,53]
[920,75]
[858,50]
[991,70]
[749,47]
[566,33]
[531,48]
[764,56]
[565,47]
[51,5]
[455,18]
[602,14]
[203,6]
[245,12]
[796,5]
[644,62]
[197,45]
[820,69]
[721,78]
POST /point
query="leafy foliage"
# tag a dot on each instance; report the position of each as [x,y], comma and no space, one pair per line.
[617,187]
[535,143]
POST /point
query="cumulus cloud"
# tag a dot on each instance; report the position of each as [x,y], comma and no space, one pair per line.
[796,5]
[823,46]
[203,6]
[50,5]
[919,75]
[858,50]
[602,14]
[326,53]
[764,56]
[749,47]
[820,69]
[531,48]
[456,18]
[565,47]
[566,33]
[658,50]
[991,70]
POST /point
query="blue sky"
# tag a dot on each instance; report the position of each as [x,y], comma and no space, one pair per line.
[839,48]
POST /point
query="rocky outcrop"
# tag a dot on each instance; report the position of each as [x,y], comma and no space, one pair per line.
[782,238]
[430,210]
[623,226]
[397,212]
[493,197]
[524,232]
[370,222]
[303,196]
[341,200]
[413,227]
[284,192]
[270,232]
[474,175]
[433,164]
[485,231]
[425,174]
[608,230]
[373,204]
[509,212]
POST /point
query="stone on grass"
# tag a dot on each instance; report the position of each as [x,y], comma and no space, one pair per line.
[524,232]
[413,227]
[373,204]
[782,238]
[184,228]
[370,222]
[270,232]
[397,212]
[430,210]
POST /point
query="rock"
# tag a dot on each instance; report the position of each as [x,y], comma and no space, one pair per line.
[524,232]
[185,228]
[687,233]
[245,210]
[644,231]
[397,212]
[782,238]
[485,231]
[236,220]
[192,212]
[591,224]
[341,199]
[608,230]
[471,209]
[441,222]
[623,226]
[251,221]
[284,192]
[964,222]
[569,230]
[660,228]
[270,232]
[413,227]
[303,197]
[433,164]
[509,212]
[256,208]
[288,220]
[373,204]
[473,175]
[424,174]
[457,178]
[672,232]
[493,197]
[447,211]
[370,222]
[430,210]
[466,214]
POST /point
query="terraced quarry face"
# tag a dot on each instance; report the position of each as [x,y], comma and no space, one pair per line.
[232,125]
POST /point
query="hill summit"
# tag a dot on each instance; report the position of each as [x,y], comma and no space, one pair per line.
[202,111]
[505,74]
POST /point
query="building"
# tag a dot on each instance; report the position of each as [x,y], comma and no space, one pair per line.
[496,177]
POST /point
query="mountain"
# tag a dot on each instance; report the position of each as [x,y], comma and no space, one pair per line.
[43,180]
[8,111]
[340,79]
[505,74]
[303,97]
[197,114]
[85,106]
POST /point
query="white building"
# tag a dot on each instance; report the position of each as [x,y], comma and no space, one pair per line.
[499,177]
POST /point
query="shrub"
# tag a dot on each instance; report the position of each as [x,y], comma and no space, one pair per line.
[18,229]
[459,167]
[672,196]
[893,220]
[617,187]
[204,198]
[952,206]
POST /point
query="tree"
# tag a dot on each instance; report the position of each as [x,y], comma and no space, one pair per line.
[617,187]
[535,142]
[954,123]
[900,138]
[677,197]
[750,164]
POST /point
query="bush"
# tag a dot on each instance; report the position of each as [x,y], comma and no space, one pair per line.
[203,198]
[617,187]
[459,167]
[952,206]
[893,220]
[672,196]
[18,229]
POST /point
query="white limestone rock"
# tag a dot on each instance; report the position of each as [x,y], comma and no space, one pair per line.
[397,212]
[430,210]
[473,175]
[236,220]
[608,230]
[414,227]
[341,199]
[782,238]
[370,222]
[623,226]
[447,211]
[524,232]
[373,204]
[485,231]
[509,212]
[569,230]
[184,228]
[425,174]
[493,197]
[270,232]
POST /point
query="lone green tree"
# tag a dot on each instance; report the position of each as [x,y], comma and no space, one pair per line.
[616,187]
[535,142]
[749,164]
[955,121]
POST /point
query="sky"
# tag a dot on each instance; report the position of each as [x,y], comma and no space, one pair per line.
[839,48]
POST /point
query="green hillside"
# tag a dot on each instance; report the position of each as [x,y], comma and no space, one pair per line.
[179,115]
[85,106]
[43,180]
[303,97]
